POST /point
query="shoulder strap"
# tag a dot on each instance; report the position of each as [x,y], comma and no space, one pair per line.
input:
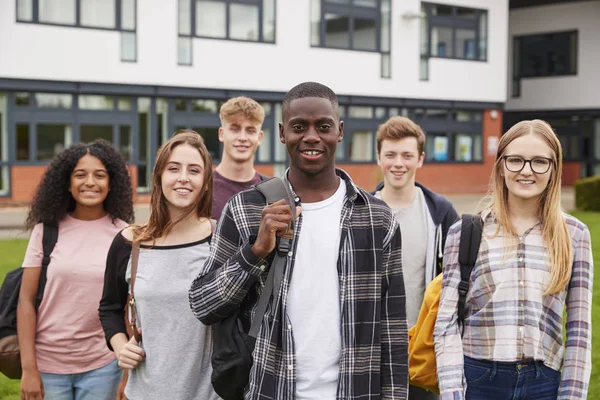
[470,239]
[135,255]
[49,239]
[274,190]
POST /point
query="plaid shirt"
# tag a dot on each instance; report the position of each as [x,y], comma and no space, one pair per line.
[374,357]
[509,318]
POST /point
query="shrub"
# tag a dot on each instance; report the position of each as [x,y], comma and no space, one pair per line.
[587,194]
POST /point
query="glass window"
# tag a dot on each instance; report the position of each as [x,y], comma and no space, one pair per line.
[394,111]
[365,34]
[360,112]
[128,46]
[128,14]
[211,19]
[315,22]
[436,114]
[144,143]
[51,140]
[205,106]
[185,20]
[552,54]
[98,13]
[180,104]
[463,148]
[184,51]
[24,10]
[57,11]
[340,152]
[477,148]
[54,100]
[365,3]
[264,150]
[22,142]
[441,42]
[436,147]
[385,25]
[268,20]
[4,180]
[267,107]
[162,120]
[462,116]
[92,102]
[337,31]
[89,133]
[3,128]
[452,32]
[361,146]
[380,112]
[211,140]
[125,141]
[244,22]
[124,104]
[22,99]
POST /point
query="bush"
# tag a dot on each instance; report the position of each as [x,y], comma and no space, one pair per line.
[587,194]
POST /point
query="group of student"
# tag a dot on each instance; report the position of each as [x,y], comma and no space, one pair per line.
[354,282]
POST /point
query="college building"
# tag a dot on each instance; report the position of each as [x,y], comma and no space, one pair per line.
[133,72]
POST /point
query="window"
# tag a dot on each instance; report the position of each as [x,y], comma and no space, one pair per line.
[246,20]
[92,102]
[550,54]
[51,139]
[361,146]
[4,169]
[53,100]
[117,15]
[452,32]
[351,24]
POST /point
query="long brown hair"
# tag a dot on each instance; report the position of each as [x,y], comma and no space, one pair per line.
[554,228]
[160,222]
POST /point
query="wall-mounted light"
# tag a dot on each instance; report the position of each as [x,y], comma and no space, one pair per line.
[494,114]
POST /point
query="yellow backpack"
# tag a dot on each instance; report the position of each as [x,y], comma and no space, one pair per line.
[422,370]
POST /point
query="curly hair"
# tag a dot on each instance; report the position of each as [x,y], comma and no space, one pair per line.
[53,201]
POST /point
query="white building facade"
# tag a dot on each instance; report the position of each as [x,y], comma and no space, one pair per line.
[554,60]
[133,72]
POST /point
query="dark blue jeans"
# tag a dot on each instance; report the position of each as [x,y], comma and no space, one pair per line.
[488,380]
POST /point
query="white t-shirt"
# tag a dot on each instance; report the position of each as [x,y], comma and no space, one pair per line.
[313,304]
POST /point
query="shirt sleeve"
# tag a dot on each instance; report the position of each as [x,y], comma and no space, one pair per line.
[114,294]
[447,339]
[577,363]
[35,249]
[229,273]
[394,329]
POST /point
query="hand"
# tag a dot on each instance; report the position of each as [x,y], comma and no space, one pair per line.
[275,221]
[121,387]
[32,387]
[131,354]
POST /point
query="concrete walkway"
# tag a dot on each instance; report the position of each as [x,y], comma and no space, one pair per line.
[12,219]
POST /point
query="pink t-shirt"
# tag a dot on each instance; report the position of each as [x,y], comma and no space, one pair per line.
[69,337]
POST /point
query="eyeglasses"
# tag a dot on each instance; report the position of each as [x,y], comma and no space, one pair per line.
[539,165]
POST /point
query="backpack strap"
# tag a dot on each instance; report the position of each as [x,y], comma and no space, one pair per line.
[470,239]
[274,190]
[49,239]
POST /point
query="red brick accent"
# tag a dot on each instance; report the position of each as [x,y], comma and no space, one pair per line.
[571,173]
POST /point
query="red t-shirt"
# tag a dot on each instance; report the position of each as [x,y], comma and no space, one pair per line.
[224,189]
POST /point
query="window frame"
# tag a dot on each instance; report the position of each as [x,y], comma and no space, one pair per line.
[455,22]
[118,17]
[228,3]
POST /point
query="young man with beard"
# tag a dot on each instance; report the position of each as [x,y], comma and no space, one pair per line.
[423,215]
[241,134]
[337,328]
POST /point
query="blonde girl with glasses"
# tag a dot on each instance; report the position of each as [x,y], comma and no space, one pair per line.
[534,263]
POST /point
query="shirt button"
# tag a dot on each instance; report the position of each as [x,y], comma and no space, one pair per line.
[262,267]
[291,367]
[520,259]
[289,327]
[521,283]
[290,253]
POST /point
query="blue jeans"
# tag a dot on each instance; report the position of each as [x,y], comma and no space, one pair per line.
[98,384]
[488,380]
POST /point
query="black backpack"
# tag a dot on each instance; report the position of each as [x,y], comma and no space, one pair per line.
[232,346]
[10,357]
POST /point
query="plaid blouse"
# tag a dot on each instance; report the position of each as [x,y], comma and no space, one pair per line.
[374,357]
[509,318]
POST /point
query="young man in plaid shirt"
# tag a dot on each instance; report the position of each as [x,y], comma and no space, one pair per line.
[337,327]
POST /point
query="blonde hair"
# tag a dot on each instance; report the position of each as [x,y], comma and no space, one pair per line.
[244,107]
[554,228]
[397,128]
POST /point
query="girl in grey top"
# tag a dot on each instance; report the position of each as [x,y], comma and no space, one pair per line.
[173,359]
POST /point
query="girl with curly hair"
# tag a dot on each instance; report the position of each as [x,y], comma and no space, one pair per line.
[174,245]
[86,193]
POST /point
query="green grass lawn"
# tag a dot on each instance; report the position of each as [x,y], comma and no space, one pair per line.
[12,251]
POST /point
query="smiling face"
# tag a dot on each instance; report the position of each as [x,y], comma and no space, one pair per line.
[311,131]
[399,161]
[240,137]
[90,182]
[526,184]
[182,179]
